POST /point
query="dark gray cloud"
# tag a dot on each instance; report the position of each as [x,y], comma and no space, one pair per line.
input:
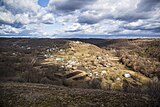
[15,24]
[1,2]
[148,5]
[71,5]
[130,17]
[142,28]
[77,30]
[144,10]
[88,20]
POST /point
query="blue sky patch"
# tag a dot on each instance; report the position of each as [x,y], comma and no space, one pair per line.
[43,3]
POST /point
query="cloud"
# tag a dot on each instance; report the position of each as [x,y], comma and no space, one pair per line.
[21,6]
[90,17]
[73,17]
[125,10]
[48,18]
[18,20]
[148,5]
[17,12]
[69,5]
[151,24]
[22,13]
[6,29]
[6,16]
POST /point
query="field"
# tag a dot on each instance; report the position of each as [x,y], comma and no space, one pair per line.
[79,72]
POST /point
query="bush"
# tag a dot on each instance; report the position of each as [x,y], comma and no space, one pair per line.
[154,88]
[145,66]
[32,76]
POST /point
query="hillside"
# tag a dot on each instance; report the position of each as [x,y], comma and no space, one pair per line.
[29,94]
[97,66]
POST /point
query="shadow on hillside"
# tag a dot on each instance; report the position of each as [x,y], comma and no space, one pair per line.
[20,60]
[106,43]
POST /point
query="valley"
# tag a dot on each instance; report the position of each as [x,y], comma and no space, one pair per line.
[103,68]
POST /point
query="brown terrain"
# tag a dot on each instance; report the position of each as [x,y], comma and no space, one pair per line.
[79,72]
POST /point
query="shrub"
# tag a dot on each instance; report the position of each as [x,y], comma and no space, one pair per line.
[143,65]
[154,88]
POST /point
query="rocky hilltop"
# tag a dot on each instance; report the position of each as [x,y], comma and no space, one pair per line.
[86,65]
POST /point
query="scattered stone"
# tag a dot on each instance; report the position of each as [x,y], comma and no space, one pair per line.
[155,79]
[95,74]
[62,66]
[46,55]
[77,42]
[118,79]
[22,47]
[13,53]
[86,57]
[99,58]
[71,62]
[103,72]
[61,50]
[127,75]
[51,56]
[90,74]
[109,64]
[28,48]
[74,67]
[51,49]
[69,66]
[48,50]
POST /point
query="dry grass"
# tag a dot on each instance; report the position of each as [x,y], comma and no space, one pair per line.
[24,95]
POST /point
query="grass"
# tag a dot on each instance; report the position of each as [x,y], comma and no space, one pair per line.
[29,94]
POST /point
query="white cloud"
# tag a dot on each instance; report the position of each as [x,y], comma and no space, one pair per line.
[112,9]
[23,18]
[64,19]
[6,29]
[21,13]
[136,23]
[6,16]
[48,18]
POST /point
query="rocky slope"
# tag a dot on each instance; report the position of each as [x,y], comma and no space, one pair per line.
[102,69]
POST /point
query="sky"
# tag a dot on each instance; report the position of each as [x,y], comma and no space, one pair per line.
[69,18]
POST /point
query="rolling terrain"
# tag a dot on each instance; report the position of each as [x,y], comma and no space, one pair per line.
[79,72]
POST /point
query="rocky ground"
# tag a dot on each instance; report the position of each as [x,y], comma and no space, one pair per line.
[102,68]
[85,64]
